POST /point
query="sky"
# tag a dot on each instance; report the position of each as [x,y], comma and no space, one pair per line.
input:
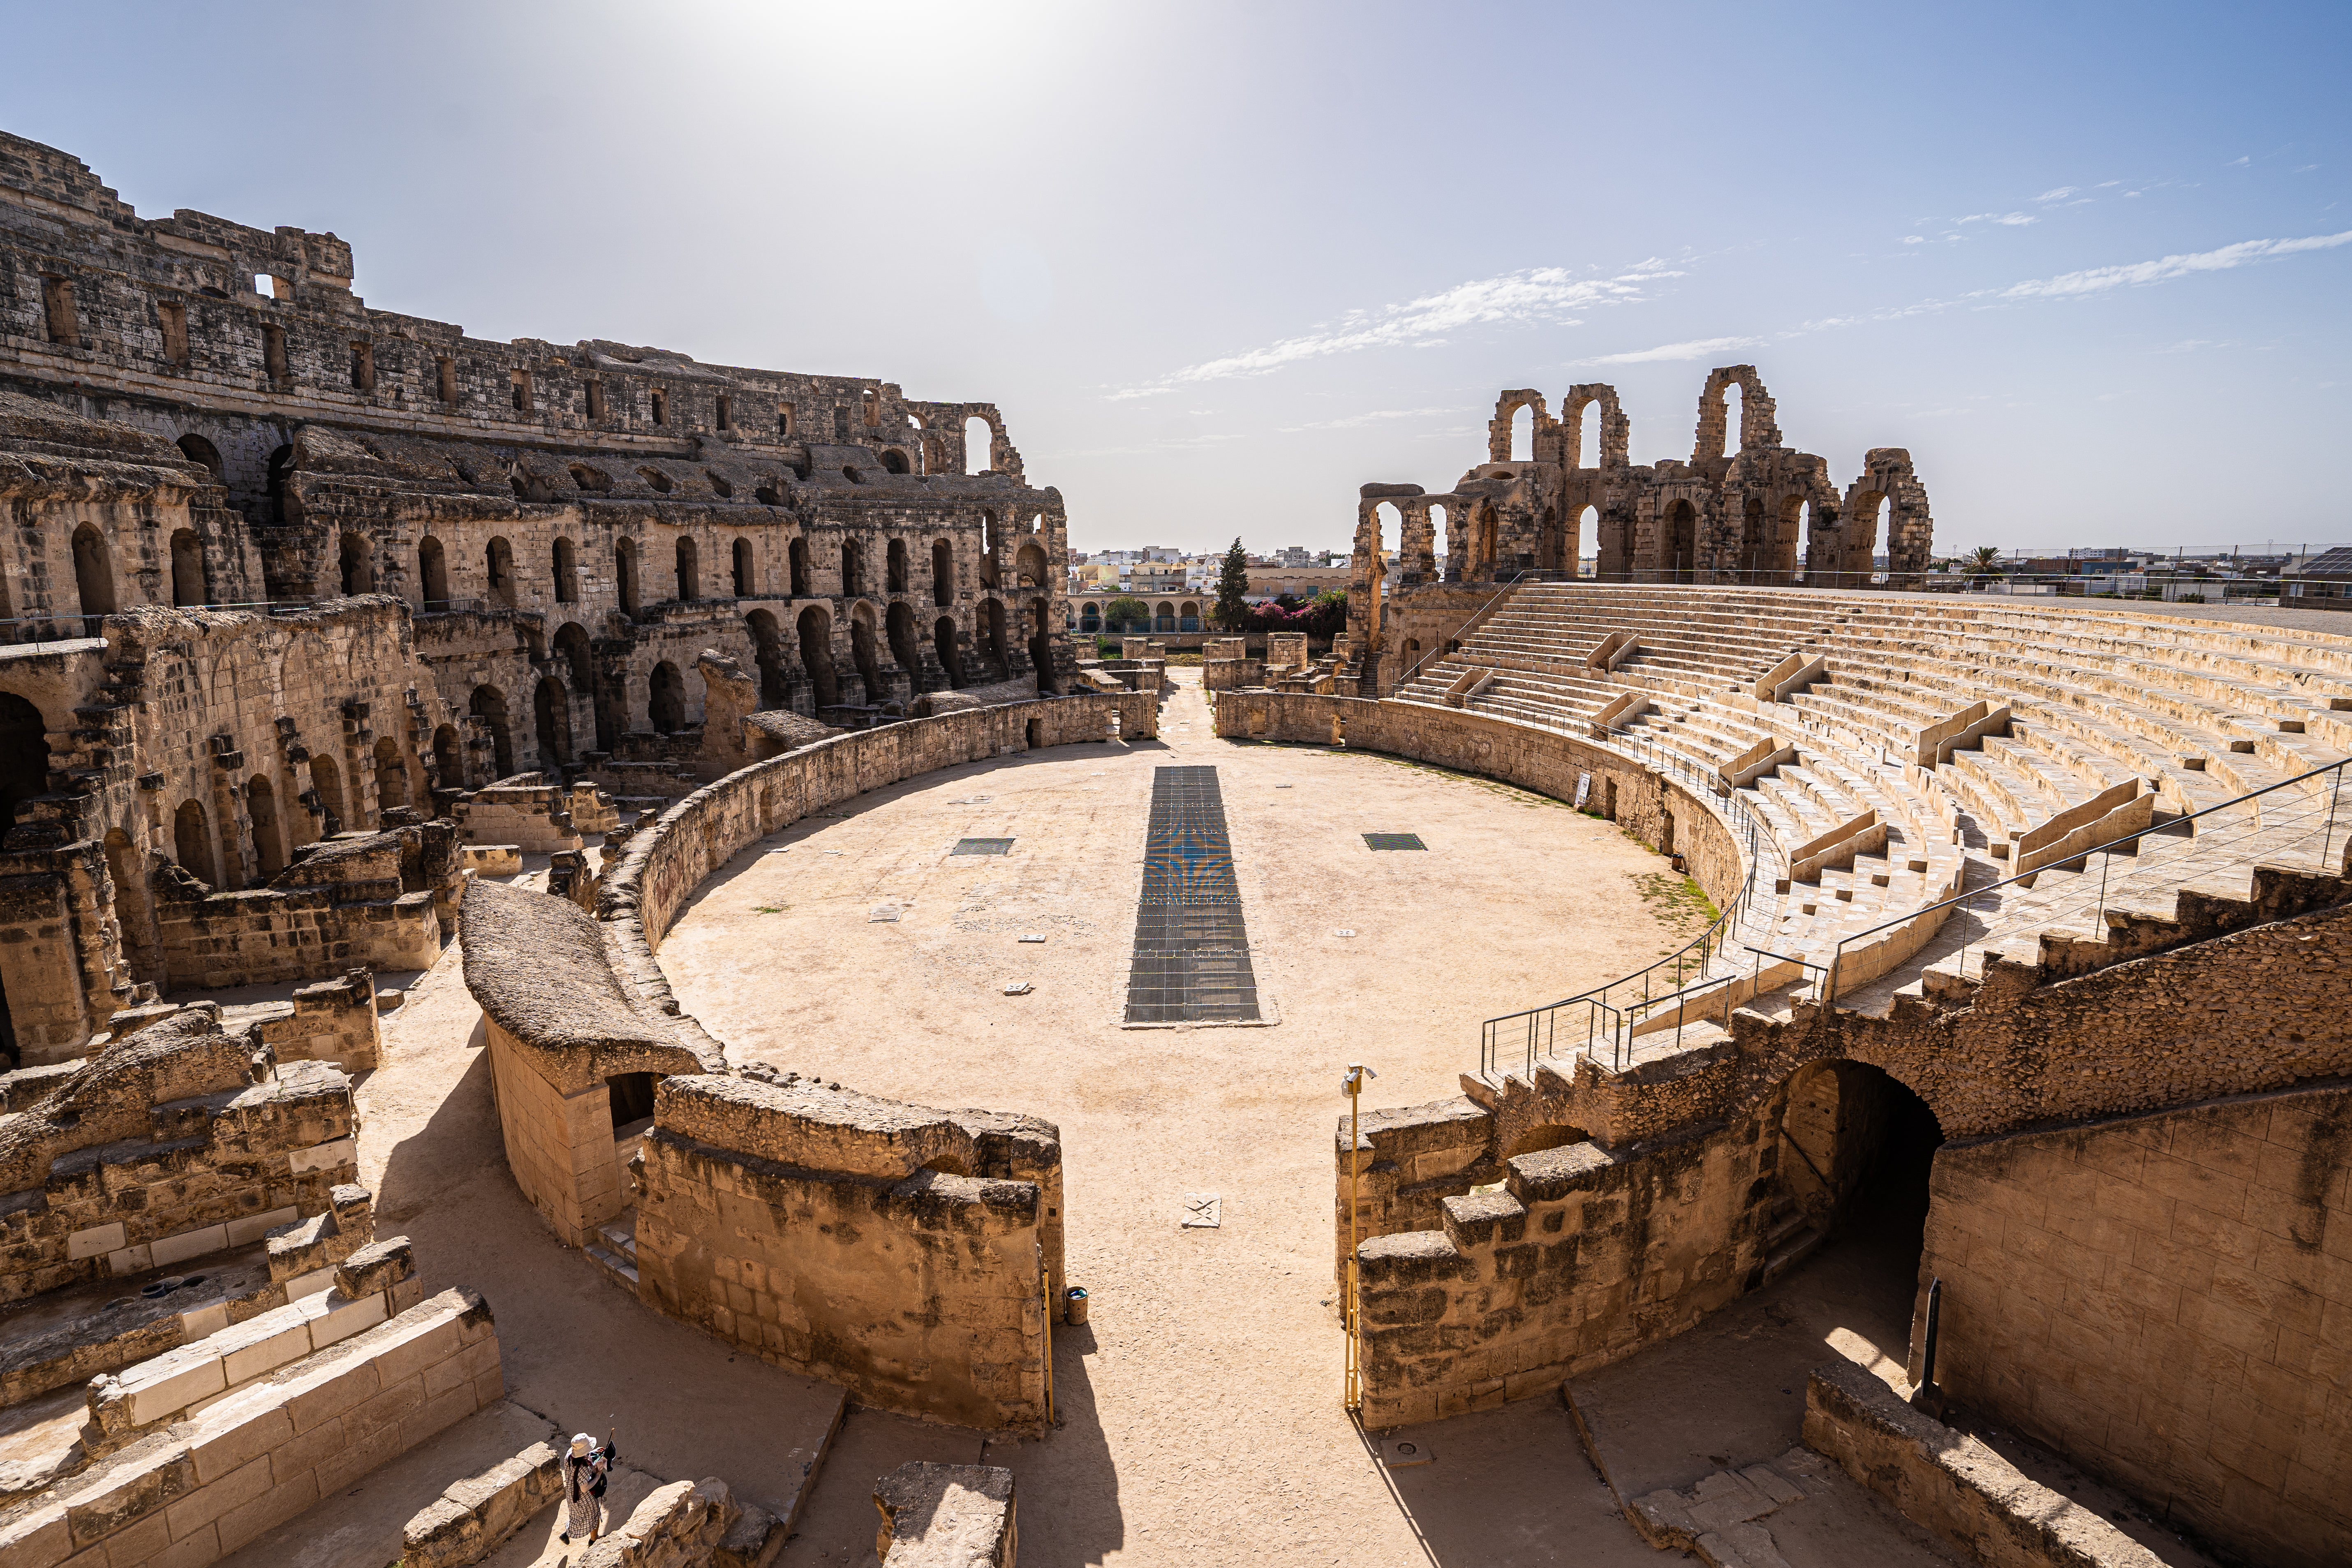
[1219,263]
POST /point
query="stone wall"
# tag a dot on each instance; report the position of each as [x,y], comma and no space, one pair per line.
[2167,1300]
[908,1254]
[946,1516]
[199,1490]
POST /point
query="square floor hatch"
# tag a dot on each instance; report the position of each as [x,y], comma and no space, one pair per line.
[1393,841]
[982,846]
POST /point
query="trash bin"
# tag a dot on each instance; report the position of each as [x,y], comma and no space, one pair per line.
[1074,1305]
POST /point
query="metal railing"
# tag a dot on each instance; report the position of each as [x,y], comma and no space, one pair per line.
[2160,585]
[1476,615]
[2048,914]
[1615,1012]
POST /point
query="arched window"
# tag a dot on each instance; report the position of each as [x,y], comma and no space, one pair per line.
[489,704]
[1733,403]
[499,558]
[449,757]
[977,444]
[897,566]
[624,572]
[863,654]
[1029,566]
[1439,530]
[551,713]
[768,652]
[1391,527]
[1163,619]
[894,460]
[1588,537]
[1587,437]
[943,583]
[799,556]
[1188,616]
[327,784]
[199,450]
[567,572]
[93,574]
[747,576]
[992,623]
[903,651]
[268,836]
[1523,433]
[433,573]
[943,648]
[1041,643]
[281,468]
[816,655]
[689,583]
[853,569]
[391,776]
[1089,616]
[24,756]
[356,556]
[1679,541]
[192,842]
[187,568]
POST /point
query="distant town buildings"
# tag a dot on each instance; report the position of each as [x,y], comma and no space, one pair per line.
[1180,588]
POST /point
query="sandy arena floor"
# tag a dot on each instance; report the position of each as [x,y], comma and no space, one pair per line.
[1202,1421]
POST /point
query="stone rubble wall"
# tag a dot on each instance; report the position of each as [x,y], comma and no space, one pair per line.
[332,1021]
[474,1516]
[946,1516]
[680,1525]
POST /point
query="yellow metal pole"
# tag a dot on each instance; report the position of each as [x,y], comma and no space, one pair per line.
[1046,1283]
[1351,1307]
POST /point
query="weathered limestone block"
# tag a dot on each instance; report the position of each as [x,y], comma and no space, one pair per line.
[470,1521]
[946,1516]
[677,1526]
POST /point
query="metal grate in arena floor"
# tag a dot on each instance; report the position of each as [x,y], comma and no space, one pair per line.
[1190,961]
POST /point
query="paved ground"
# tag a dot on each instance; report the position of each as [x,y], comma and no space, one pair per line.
[1202,1404]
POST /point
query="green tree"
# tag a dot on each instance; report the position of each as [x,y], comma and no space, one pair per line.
[1985,563]
[1233,583]
[1128,611]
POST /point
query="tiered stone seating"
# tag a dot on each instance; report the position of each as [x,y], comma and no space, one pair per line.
[2102,704]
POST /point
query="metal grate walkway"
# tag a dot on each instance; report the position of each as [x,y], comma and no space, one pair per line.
[1191,962]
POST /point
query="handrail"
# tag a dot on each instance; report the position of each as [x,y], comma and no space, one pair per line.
[1837,953]
[1517,578]
[1707,944]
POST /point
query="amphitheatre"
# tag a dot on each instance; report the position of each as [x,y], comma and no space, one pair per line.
[556,886]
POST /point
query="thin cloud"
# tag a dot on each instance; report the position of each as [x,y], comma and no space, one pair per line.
[2012,220]
[1697,348]
[1543,296]
[2060,194]
[2098,279]
[1370,416]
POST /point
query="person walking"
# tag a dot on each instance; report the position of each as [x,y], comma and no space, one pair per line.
[585,1469]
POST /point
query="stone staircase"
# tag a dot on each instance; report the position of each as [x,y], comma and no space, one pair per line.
[618,1255]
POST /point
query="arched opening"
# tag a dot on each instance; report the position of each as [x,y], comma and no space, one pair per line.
[1034,735]
[1861,1148]
[489,704]
[625,574]
[853,569]
[1090,616]
[977,445]
[1678,542]
[188,568]
[1536,1140]
[1523,433]
[192,843]
[1188,615]
[327,784]
[988,536]
[799,555]
[269,833]
[281,469]
[1485,529]
[93,575]
[1796,515]
[869,662]
[1587,540]
[1587,436]
[943,645]
[23,756]
[690,573]
[904,650]
[747,576]
[498,556]
[1439,536]
[630,1098]
[391,776]
[1041,642]
[991,622]
[449,757]
[894,460]
[567,572]
[1755,543]
[1163,619]
[768,652]
[433,573]
[816,655]
[897,566]
[356,556]
[1732,414]
[134,908]
[199,450]
[1029,566]
[551,716]
[942,573]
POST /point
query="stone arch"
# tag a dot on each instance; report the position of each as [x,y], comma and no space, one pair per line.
[1758,425]
[690,569]
[767,653]
[1164,615]
[626,574]
[93,574]
[567,571]
[943,582]
[667,706]
[894,567]
[268,831]
[853,568]
[864,654]
[943,645]
[327,786]
[1041,643]
[23,756]
[199,450]
[192,843]
[815,628]
[1861,1146]
[188,586]
[894,462]
[747,571]
[449,757]
[979,447]
[991,627]
[1678,540]
[431,573]
[497,556]
[552,721]
[391,776]
[1029,566]
[489,704]
[135,908]
[903,649]
[1501,428]
[1605,435]
[355,560]
[797,555]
